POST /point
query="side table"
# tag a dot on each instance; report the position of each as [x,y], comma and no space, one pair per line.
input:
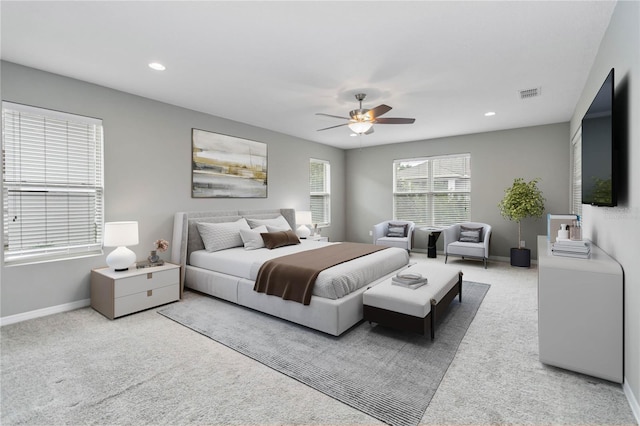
[115,294]
[434,234]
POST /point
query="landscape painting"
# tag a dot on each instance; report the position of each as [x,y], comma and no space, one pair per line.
[227,167]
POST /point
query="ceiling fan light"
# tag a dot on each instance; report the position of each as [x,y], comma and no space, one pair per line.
[360,127]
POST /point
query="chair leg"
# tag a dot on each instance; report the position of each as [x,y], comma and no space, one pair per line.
[446,256]
[485,262]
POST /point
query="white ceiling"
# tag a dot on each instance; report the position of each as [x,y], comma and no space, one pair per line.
[275,64]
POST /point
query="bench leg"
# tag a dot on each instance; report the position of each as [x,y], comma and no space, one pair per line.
[433,319]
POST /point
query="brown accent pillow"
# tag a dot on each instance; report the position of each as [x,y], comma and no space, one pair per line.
[279,239]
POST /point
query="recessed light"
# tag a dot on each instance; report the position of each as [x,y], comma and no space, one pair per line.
[489,114]
[157,66]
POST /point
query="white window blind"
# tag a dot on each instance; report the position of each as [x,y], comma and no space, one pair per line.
[576,173]
[320,191]
[52,183]
[432,191]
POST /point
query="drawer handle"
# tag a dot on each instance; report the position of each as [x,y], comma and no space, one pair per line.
[149,275]
[149,293]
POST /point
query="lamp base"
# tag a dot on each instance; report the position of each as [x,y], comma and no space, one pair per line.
[121,258]
[303,231]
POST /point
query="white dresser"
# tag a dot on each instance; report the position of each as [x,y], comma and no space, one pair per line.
[115,294]
[580,312]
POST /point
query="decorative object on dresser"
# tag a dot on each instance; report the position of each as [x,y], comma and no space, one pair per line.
[303,218]
[115,294]
[160,246]
[521,200]
[227,166]
[120,235]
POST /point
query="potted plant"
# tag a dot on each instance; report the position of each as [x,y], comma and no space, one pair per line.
[522,200]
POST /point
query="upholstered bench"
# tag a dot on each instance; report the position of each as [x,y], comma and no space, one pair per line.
[414,309]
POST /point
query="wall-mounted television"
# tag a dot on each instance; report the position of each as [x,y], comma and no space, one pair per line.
[599,149]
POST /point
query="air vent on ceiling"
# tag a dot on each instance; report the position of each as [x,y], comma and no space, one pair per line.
[530,93]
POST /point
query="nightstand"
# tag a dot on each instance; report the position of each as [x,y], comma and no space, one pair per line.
[115,294]
[318,238]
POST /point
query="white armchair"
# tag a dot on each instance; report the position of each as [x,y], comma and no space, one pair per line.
[383,237]
[464,244]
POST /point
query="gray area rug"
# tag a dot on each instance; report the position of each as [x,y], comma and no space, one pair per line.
[387,374]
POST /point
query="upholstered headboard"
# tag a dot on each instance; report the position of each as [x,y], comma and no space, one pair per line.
[186,237]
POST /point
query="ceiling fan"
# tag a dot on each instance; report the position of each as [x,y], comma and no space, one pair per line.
[361,121]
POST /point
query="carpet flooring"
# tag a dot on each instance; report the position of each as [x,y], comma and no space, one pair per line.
[388,374]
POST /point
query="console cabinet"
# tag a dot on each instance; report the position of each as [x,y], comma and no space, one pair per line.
[580,312]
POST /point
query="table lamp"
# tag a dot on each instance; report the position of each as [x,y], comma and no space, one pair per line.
[120,235]
[303,218]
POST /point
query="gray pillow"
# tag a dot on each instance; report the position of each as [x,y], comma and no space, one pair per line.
[278,222]
[470,235]
[220,236]
[398,230]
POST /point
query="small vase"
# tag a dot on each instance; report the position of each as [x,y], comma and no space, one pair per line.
[153,257]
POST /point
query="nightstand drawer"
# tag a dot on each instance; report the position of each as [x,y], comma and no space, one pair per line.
[146,299]
[145,281]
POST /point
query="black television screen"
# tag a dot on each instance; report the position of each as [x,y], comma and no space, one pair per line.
[599,151]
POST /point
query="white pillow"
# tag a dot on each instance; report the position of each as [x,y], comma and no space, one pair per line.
[251,237]
[220,236]
[279,222]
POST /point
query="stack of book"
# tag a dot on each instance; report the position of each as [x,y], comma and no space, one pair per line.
[571,248]
[409,280]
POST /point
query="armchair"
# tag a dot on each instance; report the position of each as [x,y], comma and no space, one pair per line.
[464,245]
[382,236]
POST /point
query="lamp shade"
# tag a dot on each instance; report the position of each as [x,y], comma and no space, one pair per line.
[120,234]
[303,218]
[360,127]
[117,234]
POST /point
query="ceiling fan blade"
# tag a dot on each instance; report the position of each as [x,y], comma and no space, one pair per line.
[333,116]
[378,111]
[395,120]
[332,127]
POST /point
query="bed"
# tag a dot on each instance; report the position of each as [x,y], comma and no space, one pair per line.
[230,273]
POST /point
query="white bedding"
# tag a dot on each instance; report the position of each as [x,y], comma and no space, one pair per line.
[332,283]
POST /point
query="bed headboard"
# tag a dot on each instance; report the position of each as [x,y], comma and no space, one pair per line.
[186,237]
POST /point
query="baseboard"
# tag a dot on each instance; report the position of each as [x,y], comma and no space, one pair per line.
[12,319]
[633,401]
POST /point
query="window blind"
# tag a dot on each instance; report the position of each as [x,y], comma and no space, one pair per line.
[576,173]
[320,191]
[52,183]
[433,191]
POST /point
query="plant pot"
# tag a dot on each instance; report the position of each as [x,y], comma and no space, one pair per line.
[521,257]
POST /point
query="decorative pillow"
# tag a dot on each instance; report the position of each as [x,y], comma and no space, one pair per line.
[280,239]
[470,235]
[279,222]
[251,237]
[220,236]
[397,230]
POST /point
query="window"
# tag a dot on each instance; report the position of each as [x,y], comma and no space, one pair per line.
[320,191]
[432,191]
[576,173]
[52,191]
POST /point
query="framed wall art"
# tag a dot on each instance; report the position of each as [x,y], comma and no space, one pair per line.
[225,166]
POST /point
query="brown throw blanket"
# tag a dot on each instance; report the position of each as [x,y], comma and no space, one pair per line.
[292,277]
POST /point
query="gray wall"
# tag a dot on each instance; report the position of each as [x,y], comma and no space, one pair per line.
[147,155]
[496,159]
[617,230]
